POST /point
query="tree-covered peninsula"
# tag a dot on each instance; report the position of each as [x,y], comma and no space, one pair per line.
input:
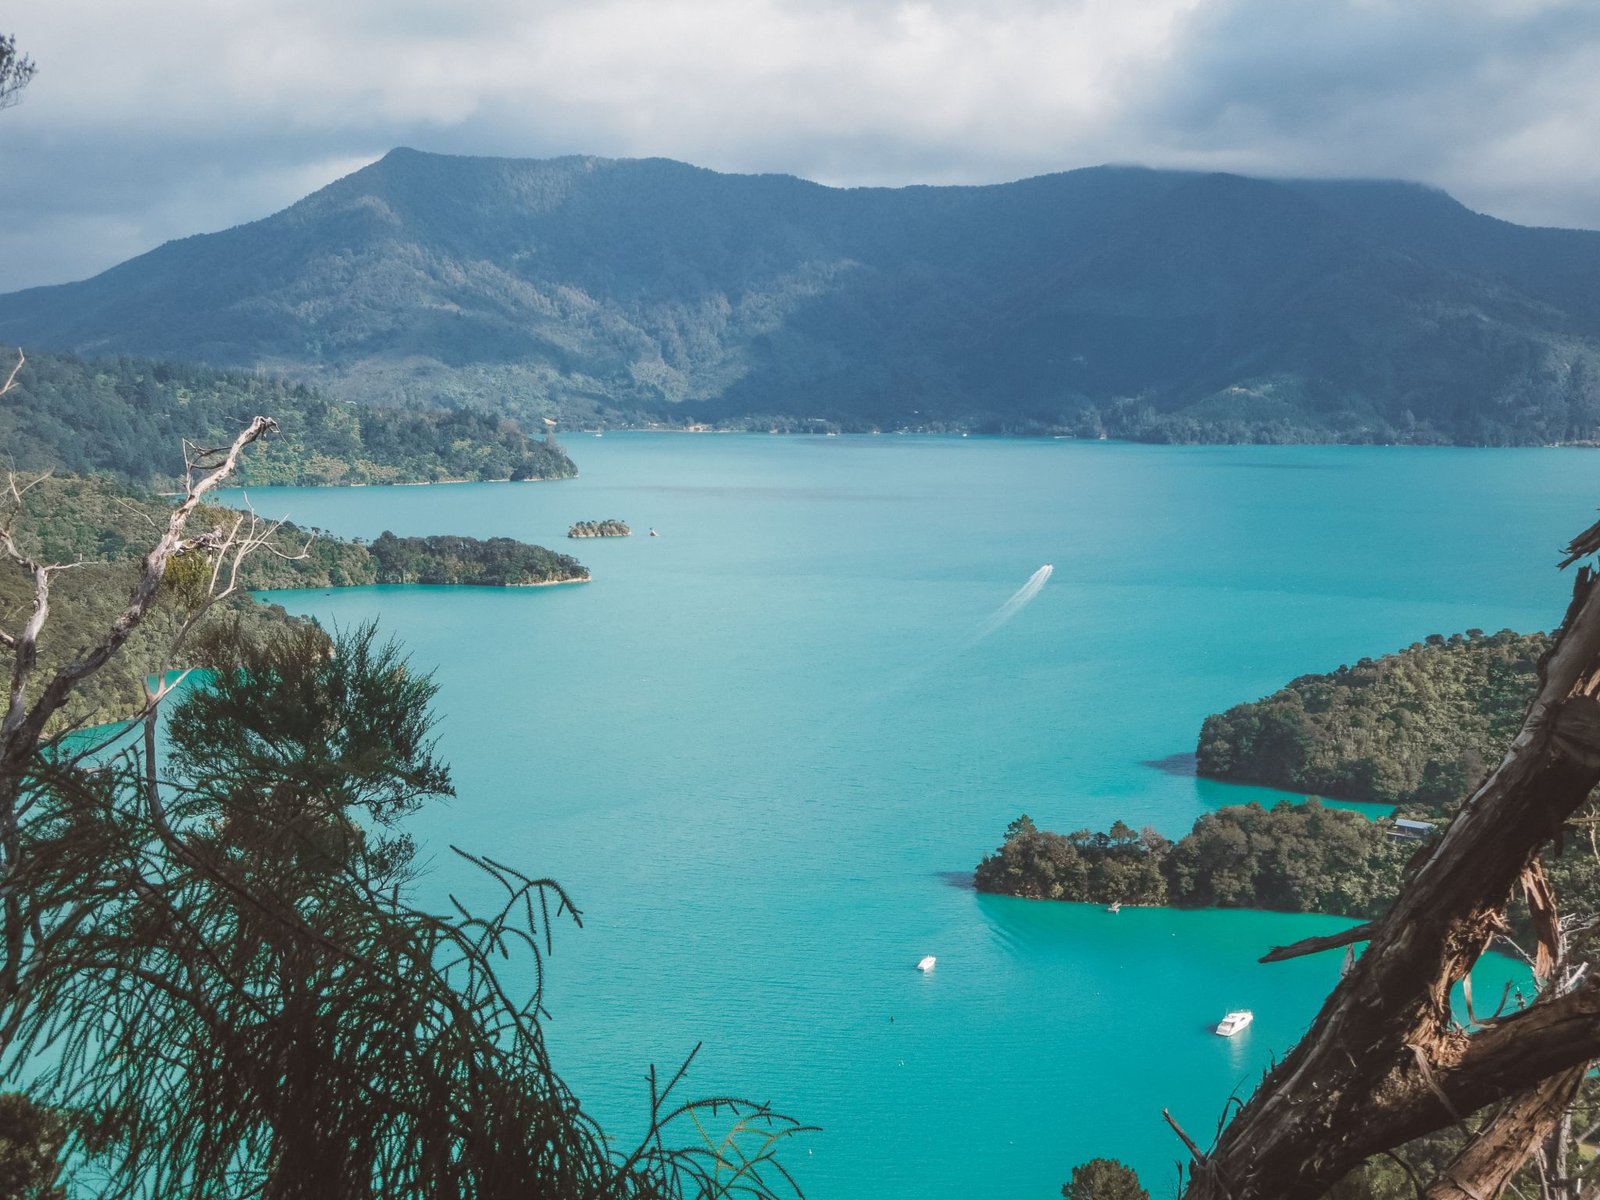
[491,562]
[1415,728]
[103,527]
[94,525]
[129,417]
[1291,857]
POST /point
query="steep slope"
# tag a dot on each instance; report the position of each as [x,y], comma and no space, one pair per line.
[1145,303]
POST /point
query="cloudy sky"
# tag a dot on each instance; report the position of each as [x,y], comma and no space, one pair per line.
[161,118]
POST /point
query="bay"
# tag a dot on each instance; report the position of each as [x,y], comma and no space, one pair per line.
[763,749]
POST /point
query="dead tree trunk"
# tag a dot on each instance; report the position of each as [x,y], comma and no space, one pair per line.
[1488,1162]
[1384,1062]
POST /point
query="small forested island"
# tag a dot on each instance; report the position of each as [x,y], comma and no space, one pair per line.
[128,418]
[593,529]
[1417,728]
[1291,857]
[494,562]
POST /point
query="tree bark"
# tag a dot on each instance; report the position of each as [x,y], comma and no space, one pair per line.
[1488,1162]
[1384,1062]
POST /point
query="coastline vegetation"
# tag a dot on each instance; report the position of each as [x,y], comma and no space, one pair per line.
[103,527]
[1291,858]
[1417,728]
[491,562]
[127,417]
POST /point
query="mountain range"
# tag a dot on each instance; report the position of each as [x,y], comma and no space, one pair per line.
[1140,303]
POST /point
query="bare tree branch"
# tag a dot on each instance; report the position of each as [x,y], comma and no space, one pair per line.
[1369,1074]
[1315,945]
[11,379]
[23,725]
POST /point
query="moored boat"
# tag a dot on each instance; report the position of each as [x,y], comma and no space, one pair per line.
[1235,1021]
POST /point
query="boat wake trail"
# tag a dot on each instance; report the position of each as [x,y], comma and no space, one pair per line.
[1013,606]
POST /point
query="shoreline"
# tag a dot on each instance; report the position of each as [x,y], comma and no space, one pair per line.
[441,482]
[533,583]
[248,486]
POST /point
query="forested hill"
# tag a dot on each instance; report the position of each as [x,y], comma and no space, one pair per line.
[1420,727]
[1150,304]
[129,417]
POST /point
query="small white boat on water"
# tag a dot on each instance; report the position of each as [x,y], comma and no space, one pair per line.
[926,964]
[1114,907]
[1235,1021]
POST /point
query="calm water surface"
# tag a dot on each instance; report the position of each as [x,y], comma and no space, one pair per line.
[763,749]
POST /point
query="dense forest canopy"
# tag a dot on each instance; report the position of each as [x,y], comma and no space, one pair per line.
[128,417]
[1158,305]
[1417,728]
[491,562]
[1292,857]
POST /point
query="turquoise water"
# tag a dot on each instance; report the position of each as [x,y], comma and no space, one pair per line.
[762,750]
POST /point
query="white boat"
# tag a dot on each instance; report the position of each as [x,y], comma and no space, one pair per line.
[1115,907]
[1235,1021]
[926,964]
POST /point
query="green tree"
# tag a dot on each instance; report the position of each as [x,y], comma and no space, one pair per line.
[253,1005]
[1419,727]
[1103,1179]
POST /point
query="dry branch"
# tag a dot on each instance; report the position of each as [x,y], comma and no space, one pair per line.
[1384,1062]
[23,724]
[1486,1165]
[28,709]
[11,379]
[1315,945]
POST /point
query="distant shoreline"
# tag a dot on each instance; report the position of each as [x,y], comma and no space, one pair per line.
[247,486]
[535,583]
[439,482]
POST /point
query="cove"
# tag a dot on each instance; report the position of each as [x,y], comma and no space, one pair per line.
[763,749]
